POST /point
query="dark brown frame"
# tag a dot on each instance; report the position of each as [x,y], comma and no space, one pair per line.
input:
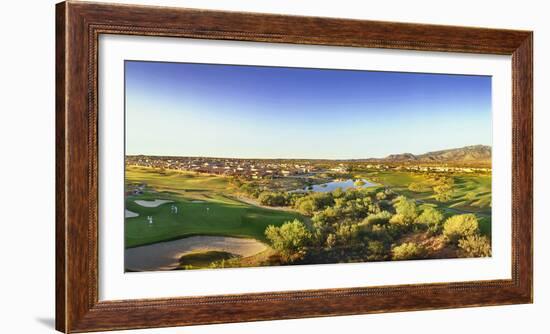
[78,25]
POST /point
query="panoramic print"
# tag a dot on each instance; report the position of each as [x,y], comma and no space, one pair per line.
[232,166]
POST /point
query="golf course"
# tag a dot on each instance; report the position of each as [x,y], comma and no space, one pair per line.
[191,205]
[177,219]
[230,166]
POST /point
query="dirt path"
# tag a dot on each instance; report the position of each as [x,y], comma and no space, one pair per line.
[166,255]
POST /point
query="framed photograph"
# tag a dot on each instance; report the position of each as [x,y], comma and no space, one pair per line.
[222,166]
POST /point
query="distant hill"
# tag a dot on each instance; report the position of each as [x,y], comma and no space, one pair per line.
[480,153]
[477,154]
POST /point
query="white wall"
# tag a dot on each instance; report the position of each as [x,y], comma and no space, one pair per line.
[27,164]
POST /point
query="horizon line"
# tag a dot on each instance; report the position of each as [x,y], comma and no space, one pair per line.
[326,159]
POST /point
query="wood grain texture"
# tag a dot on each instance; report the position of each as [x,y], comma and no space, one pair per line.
[60,181]
[78,27]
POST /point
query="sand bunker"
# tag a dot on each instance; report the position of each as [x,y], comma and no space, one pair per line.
[166,255]
[152,204]
[130,214]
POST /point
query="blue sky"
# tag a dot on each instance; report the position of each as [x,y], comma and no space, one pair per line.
[184,109]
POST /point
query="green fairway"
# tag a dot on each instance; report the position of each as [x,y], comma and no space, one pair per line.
[201,210]
[471,192]
[184,183]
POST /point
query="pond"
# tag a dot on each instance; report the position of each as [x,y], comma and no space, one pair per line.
[333,185]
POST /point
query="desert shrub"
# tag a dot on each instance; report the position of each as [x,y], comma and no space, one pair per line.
[380,218]
[367,200]
[347,234]
[338,193]
[353,209]
[290,198]
[432,219]
[314,202]
[272,199]
[398,219]
[374,207]
[250,188]
[331,241]
[305,205]
[381,233]
[385,205]
[381,195]
[475,246]
[407,251]
[376,251]
[444,189]
[291,239]
[405,211]
[418,187]
[321,224]
[460,226]
[396,229]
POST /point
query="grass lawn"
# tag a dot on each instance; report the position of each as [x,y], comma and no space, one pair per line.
[202,209]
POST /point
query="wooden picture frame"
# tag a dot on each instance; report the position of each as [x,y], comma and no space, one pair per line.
[78,26]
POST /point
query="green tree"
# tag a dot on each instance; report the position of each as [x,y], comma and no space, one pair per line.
[291,239]
[460,226]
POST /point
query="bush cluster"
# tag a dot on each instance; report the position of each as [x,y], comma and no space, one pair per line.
[407,251]
[459,227]
[366,224]
[475,246]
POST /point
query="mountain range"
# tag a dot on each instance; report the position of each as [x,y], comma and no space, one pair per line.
[478,154]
